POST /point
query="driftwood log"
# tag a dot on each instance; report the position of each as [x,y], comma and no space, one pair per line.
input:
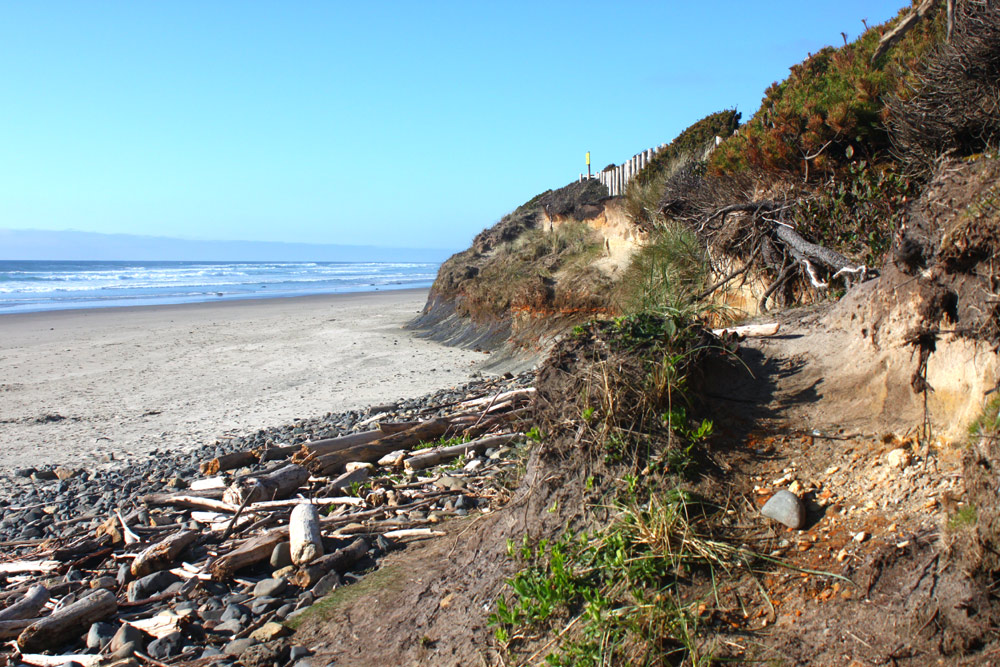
[274,485]
[28,606]
[433,457]
[163,554]
[251,552]
[69,623]
[187,501]
[335,462]
[321,447]
[304,535]
[339,561]
[228,462]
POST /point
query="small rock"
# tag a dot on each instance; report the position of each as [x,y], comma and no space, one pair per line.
[269,631]
[795,487]
[473,465]
[104,582]
[786,508]
[176,483]
[126,634]
[299,652]
[284,572]
[326,584]
[861,537]
[449,482]
[358,465]
[125,651]
[270,588]
[67,473]
[282,555]
[100,635]
[232,626]
[898,458]
[166,646]
[151,584]
[238,646]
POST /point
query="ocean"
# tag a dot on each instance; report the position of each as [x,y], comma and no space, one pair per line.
[27,286]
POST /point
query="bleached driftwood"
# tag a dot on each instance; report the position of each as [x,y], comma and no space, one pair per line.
[42,660]
[68,623]
[514,395]
[28,606]
[279,483]
[433,457]
[162,554]
[187,501]
[161,625]
[413,532]
[749,330]
[303,534]
[25,566]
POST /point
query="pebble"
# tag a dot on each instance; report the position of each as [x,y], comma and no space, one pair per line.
[150,585]
[238,646]
[898,458]
[166,646]
[125,635]
[449,482]
[269,588]
[269,631]
[785,508]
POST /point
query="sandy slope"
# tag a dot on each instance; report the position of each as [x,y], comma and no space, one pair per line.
[75,385]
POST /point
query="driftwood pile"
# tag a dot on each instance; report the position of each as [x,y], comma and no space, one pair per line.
[264,532]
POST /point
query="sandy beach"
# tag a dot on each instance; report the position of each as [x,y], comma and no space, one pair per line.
[78,385]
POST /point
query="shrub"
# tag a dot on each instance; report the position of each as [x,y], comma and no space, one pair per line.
[830,108]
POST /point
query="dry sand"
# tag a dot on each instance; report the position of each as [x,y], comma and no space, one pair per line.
[77,385]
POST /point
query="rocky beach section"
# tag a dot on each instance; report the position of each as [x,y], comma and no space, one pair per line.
[190,554]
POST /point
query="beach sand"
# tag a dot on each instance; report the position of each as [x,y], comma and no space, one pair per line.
[77,385]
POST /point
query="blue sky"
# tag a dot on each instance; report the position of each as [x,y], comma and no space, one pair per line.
[385,123]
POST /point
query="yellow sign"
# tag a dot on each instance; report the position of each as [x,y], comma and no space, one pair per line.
[588,158]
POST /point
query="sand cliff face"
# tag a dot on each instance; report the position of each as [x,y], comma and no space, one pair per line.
[551,263]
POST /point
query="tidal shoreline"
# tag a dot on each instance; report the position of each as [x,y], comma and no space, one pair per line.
[82,386]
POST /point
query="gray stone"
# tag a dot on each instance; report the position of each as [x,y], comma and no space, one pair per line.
[238,646]
[449,482]
[235,612]
[326,584]
[281,556]
[125,651]
[151,584]
[100,635]
[786,508]
[263,605]
[166,646]
[270,588]
[232,626]
[299,652]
